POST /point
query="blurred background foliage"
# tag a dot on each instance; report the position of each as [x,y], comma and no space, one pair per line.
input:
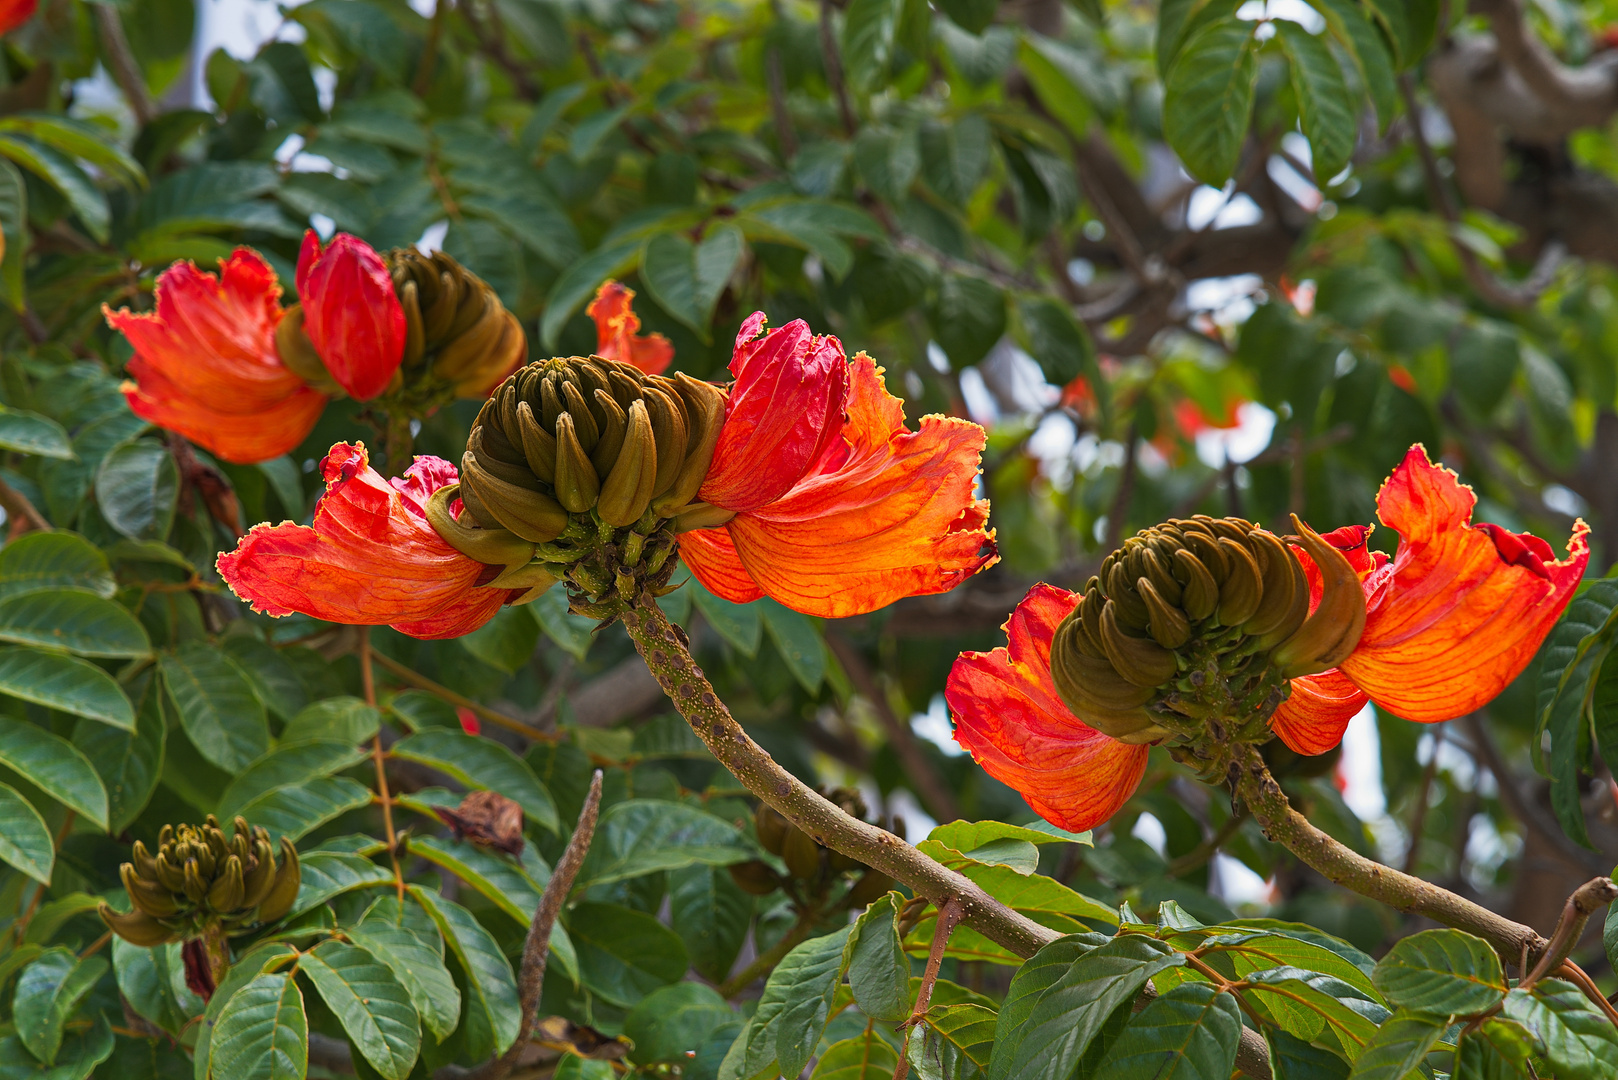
[1024,210]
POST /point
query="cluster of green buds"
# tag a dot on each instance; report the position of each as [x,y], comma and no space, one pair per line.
[811,868]
[582,469]
[1200,624]
[199,880]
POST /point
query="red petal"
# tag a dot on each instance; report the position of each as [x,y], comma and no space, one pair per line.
[785,408]
[1009,718]
[884,514]
[369,558]
[1313,719]
[618,327]
[13,13]
[1463,607]
[205,363]
[351,313]
[712,558]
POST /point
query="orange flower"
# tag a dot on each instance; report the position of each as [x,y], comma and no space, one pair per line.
[13,13]
[351,313]
[369,558]
[839,508]
[205,363]
[1452,619]
[617,329]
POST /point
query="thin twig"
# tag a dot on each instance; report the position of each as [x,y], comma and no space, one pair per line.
[834,69]
[429,50]
[500,719]
[1209,847]
[122,65]
[22,514]
[1586,900]
[1418,817]
[949,917]
[368,682]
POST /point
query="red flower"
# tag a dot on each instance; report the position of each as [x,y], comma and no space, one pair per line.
[617,330]
[1452,619]
[205,363]
[13,13]
[351,313]
[369,558]
[839,508]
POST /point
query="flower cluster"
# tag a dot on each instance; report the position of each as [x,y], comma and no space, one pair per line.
[1449,621]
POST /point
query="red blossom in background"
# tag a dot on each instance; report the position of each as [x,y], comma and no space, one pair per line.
[351,313]
[205,362]
[13,13]
[618,331]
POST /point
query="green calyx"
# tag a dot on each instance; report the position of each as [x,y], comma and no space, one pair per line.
[1195,628]
[198,878]
[583,469]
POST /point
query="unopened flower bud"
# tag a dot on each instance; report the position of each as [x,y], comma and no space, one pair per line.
[457,333]
[351,314]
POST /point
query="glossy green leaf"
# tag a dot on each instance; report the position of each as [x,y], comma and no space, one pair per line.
[25,842]
[671,1022]
[1578,1042]
[296,809]
[797,999]
[1324,104]
[1189,1033]
[48,992]
[878,970]
[137,487]
[152,980]
[416,964]
[491,1006]
[38,561]
[687,278]
[507,641]
[1207,97]
[62,173]
[1351,25]
[968,318]
[14,228]
[30,433]
[369,1002]
[868,35]
[740,625]
[272,676]
[711,914]
[797,641]
[642,836]
[55,766]
[217,707]
[867,1056]
[954,1041]
[1443,972]
[1315,1008]
[1292,1058]
[74,621]
[1498,1049]
[573,633]
[624,954]
[81,1053]
[65,683]
[1400,1046]
[330,873]
[340,719]
[1178,20]
[284,766]
[247,967]
[263,1033]
[482,763]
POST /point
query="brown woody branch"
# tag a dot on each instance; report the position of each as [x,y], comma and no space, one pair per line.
[121,63]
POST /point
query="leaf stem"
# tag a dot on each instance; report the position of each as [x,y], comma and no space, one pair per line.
[765,961]
[368,681]
[444,693]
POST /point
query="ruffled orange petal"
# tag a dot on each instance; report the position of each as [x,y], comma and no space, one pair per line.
[1009,718]
[369,558]
[13,13]
[1462,608]
[205,363]
[884,514]
[1313,719]
[785,408]
[618,331]
[712,558]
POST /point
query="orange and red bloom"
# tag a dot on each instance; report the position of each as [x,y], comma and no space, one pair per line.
[369,558]
[1452,619]
[13,13]
[206,366]
[351,313]
[618,335]
[839,508]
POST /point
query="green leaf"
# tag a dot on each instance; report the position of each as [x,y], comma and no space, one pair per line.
[28,432]
[65,683]
[711,914]
[52,916]
[283,767]
[1579,1042]
[55,766]
[25,842]
[1019,855]
[81,1053]
[968,836]
[1325,107]
[74,621]
[1293,1059]
[493,1014]
[968,318]
[1400,1046]
[368,1001]
[275,682]
[507,641]
[973,16]
[329,873]
[1499,1049]
[686,278]
[1046,68]
[483,764]
[580,281]
[643,836]
[336,719]
[955,1040]
[417,965]
[1189,1033]
[955,157]
[82,140]
[1207,97]
[1348,22]
[1569,662]
[1059,343]
[1045,900]
[867,1056]
[38,561]
[1315,1008]
[797,999]
[740,625]
[294,810]
[48,991]
[246,968]
[888,161]
[1179,20]
[1443,972]
[868,33]
[1237,955]
[572,633]
[14,227]
[217,707]
[137,487]
[624,954]
[152,981]
[878,970]
[61,173]
[1051,1039]
[262,1034]
[797,640]
[672,1021]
